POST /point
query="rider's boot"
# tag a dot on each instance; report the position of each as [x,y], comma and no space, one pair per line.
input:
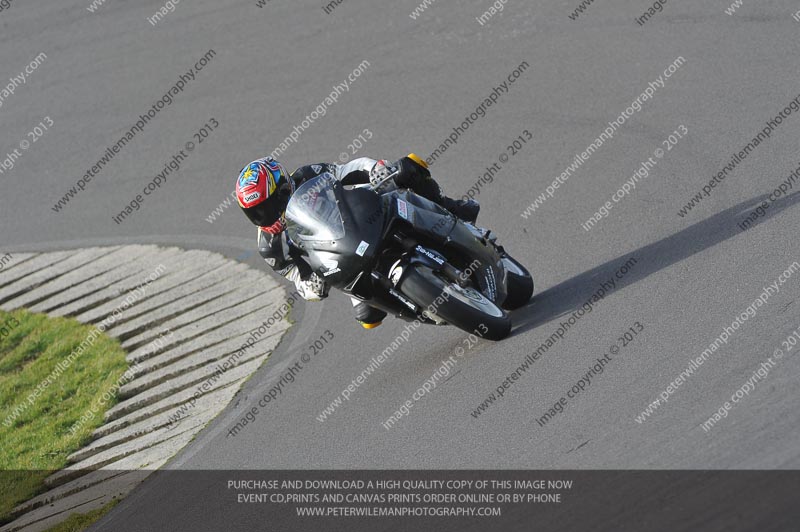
[466,210]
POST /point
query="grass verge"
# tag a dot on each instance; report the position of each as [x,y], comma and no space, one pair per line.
[80,522]
[57,379]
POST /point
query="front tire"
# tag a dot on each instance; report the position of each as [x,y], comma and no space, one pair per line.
[465,308]
[520,284]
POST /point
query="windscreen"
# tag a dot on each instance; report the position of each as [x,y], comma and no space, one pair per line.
[312,213]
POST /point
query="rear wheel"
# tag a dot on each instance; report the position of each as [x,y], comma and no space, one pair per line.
[520,284]
[466,308]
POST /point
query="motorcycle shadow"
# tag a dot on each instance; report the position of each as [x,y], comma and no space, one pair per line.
[570,295]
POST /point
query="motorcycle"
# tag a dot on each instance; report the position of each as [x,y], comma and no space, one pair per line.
[406,255]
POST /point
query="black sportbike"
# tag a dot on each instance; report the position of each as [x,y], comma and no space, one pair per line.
[406,255]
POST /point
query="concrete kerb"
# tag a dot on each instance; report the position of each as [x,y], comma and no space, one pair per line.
[174,396]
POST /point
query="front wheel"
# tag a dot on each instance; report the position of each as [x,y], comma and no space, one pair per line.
[465,308]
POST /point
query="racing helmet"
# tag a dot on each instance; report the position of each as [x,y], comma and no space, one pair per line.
[263,189]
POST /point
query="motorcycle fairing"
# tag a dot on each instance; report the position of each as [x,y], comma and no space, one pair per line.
[338,259]
[440,226]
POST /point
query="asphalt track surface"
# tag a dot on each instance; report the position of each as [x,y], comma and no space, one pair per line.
[273,65]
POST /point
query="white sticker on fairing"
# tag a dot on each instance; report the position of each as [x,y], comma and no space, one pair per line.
[252,197]
[396,274]
[402,209]
[362,248]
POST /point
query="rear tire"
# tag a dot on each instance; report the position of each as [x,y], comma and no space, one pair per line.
[466,308]
[520,284]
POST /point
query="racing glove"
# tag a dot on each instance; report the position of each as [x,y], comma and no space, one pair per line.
[312,288]
[381,171]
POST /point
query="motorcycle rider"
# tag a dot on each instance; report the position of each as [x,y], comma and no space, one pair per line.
[263,189]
